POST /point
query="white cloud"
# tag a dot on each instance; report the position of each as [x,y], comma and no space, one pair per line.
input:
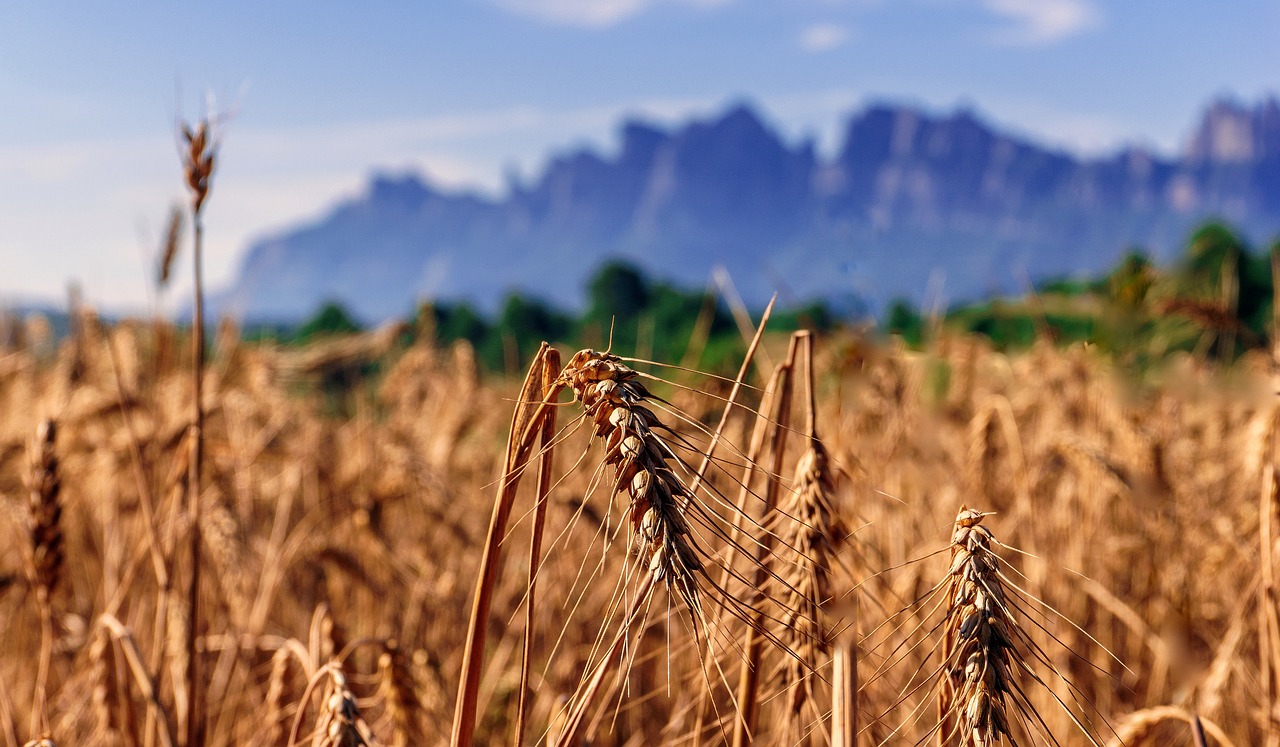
[592,13]
[1037,22]
[823,37]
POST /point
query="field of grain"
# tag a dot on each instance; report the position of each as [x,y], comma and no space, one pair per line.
[1133,559]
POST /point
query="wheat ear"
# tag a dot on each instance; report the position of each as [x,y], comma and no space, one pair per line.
[340,723]
[399,693]
[979,644]
[814,533]
[613,399]
[47,556]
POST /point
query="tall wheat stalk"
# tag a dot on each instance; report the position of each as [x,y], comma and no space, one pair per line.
[197,162]
[526,424]
[749,675]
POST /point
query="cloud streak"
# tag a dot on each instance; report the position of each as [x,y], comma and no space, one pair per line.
[1042,22]
[823,37]
[593,13]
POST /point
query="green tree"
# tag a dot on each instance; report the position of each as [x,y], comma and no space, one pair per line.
[618,295]
[1131,280]
[461,322]
[523,323]
[332,319]
[619,289]
[903,319]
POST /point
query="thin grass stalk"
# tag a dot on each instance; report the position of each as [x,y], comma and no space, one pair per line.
[198,168]
[749,676]
[1197,732]
[525,427]
[125,641]
[752,347]
[1268,617]
[550,371]
[844,694]
[8,728]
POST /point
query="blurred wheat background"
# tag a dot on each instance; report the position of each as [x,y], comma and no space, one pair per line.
[1145,512]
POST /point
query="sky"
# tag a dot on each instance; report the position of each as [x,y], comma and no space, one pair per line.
[311,98]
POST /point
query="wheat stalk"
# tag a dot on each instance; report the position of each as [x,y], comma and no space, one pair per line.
[197,164]
[526,425]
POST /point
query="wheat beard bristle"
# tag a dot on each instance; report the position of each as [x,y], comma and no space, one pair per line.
[978,636]
[613,400]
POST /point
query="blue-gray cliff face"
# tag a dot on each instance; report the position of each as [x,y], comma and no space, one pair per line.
[908,199]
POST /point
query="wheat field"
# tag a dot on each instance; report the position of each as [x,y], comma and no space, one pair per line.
[1120,535]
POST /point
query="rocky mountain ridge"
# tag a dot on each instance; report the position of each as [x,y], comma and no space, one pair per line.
[909,200]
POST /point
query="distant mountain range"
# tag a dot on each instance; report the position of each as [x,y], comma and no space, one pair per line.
[909,199]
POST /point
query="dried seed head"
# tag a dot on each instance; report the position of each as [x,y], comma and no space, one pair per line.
[978,648]
[341,724]
[198,162]
[399,693]
[815,533]
[614,402]
[169,249]
[46,511]
[274,728]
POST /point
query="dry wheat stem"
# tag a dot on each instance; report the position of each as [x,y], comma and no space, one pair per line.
[550,371]
[198,163]
[815,532]
[749,675]
[524,428]
[124,639]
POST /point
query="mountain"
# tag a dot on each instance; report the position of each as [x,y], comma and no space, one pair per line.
[909,199]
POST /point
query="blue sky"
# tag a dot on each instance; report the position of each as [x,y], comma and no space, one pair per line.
[320,94]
